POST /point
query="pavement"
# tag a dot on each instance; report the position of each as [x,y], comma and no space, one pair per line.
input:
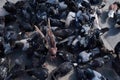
[110,39]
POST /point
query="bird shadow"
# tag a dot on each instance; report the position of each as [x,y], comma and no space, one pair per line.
[103,17]
[112,32]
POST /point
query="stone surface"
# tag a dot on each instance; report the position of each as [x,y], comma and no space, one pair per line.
[110,40]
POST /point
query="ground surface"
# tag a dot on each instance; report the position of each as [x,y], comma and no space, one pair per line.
[112,37]
[110,40]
